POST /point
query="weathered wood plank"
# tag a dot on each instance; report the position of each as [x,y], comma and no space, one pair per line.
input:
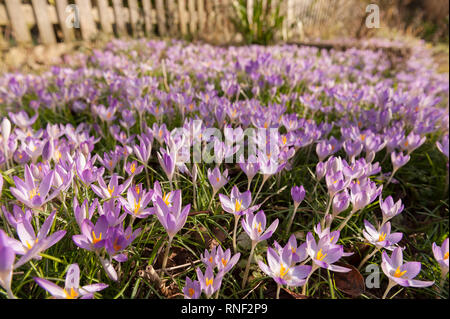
[87,24]
[161,17]
[147,6]
[183,16]
[3,15]
[192,17]
[118,16]
[18,24]
[67,31]
[105,20]
[134,17]
[201,15]
[172,18]
[46,32]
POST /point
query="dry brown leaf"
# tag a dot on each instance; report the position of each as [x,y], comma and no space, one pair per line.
[351,283]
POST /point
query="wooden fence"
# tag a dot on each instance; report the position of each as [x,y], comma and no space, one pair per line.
[51,21]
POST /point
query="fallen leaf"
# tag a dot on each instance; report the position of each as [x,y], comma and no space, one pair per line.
[351,283]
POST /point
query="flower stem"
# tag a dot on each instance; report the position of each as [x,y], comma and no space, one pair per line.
[259,190]
[236,222]
[278,291]
[342,225]
[314,267]
[166,254]
[247,268]
[390,177]
[388,288]
[368,257]
[211,200]
[291,220]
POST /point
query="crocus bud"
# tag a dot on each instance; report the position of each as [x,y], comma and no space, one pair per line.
[298,194]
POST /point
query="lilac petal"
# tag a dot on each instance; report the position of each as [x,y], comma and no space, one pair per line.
[338,268]
[46,183]
[72,277]
[81,241]
[420,283]
[46,226]
[92,288]
[52,288]
[109,269]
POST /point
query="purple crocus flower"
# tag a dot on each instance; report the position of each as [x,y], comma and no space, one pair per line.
[281,268]
[224,261]
[84,211]
[133,168]
[136,202]
[22,119]
[298,194]
[389,209]
[400,273]
[299,253]
[382,238]
[238,203]
[441,255]
[413,141]
[31,194]
[324,254]
[167,161]
[112,190]
[192,289]
[143,151]
[118,239]
[92,236]
[217,179]
[7,257]
[171,215]
[341,201]
[72,289]
[398,160]
[87,173]
[32,244]
[255,226]
[250,168]
[208,282]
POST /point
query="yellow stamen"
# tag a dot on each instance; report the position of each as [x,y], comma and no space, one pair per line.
[133,168]
[33,193]
[382,237]
[210,259]
[137,206]
[258,228]
[237,206]
[225,262]
[28,244]
[116,246]
[110,190]
[166,199]
[399,273]
[284,139]
[191,291]
[283,271]
[363,137]
[208,281]
[73,293]
[293,250]
[320,256]
[218,179]
[446,255]
[96,239]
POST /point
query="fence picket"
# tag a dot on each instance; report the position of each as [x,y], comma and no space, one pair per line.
[134,17]
[161,17]
[183,16]
[192,17]
[119,17]
[19,26]
[67,31]
[46,33]
[147,6]
[105,20]
[88,27]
